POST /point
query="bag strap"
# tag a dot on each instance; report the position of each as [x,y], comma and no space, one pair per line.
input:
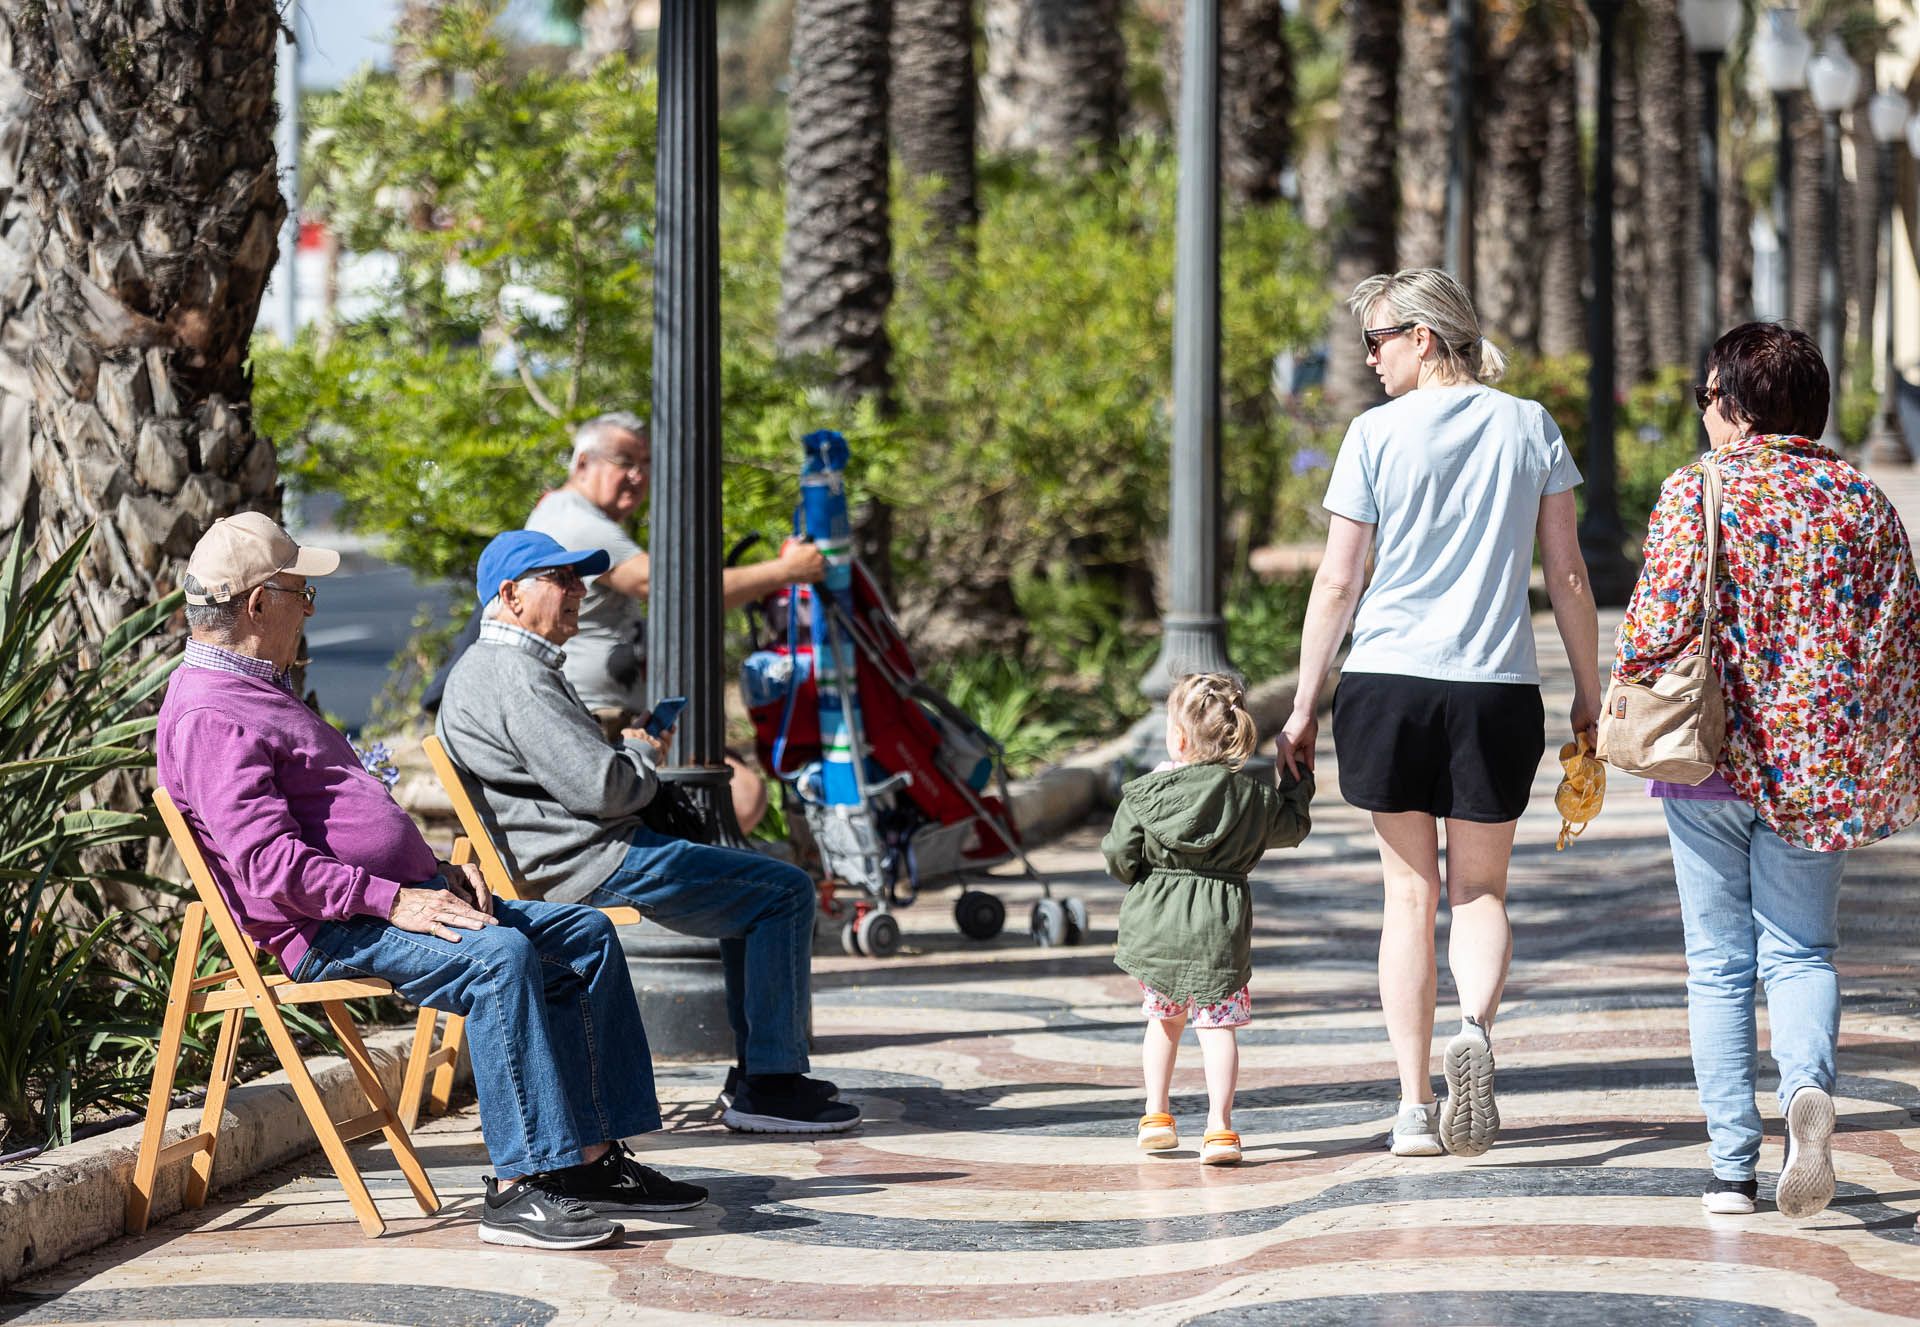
[1710,517]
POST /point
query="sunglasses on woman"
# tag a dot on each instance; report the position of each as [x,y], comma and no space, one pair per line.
[1373,336]
[1704,396]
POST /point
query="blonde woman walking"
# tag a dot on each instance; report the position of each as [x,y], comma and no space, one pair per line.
[1438,717]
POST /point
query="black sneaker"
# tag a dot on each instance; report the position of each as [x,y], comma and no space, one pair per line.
[778,1103]
[1730,1197]
[618,1183]
[532,1215]
[819,1087]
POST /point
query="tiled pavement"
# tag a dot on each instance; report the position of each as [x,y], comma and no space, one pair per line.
[996,1179]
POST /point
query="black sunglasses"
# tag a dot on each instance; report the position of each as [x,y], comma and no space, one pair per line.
[1704,396]
[1373,336]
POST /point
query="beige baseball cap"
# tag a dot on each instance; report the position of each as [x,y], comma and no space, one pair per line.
[247,550]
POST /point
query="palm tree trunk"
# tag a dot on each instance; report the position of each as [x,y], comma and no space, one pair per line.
[1563,215]
[424,82]
[1363,236]
[607,30]
[1256,94]
[1632,355]
[139,214]
[1735,295]
[1669,183]
[932,94]
[1424,138]
[1056,79]
[1810,235]
[1518,69]
[836,270]
[1861,253]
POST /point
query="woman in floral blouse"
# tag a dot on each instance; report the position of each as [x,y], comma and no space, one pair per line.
[1817,645]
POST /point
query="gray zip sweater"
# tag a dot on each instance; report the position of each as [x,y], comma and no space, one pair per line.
[560,802]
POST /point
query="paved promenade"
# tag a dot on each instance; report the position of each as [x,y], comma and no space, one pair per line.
[997,1178]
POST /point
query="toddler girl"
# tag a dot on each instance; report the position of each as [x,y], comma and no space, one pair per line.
[1182,842]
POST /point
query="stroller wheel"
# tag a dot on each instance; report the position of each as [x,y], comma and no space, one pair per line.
[1048,923]
[979,915]
[850,938]
[1077,926]
[879,935]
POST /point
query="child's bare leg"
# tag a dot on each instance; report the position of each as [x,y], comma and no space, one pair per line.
[1221,1051]
[1157,1053]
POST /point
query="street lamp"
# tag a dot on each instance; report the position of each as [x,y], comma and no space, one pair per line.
[1602,537]
[1833,81]
[1782,50]
[1711,26]
[1887,116]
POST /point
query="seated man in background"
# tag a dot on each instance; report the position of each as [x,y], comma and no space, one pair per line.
[323,869]
[564,804]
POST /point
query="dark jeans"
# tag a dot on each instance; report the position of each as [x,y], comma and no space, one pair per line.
[560,1060]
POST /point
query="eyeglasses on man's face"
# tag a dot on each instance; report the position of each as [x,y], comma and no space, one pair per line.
[1373,336]
[637,466]
[1704,396]
[308,592]
[565,577]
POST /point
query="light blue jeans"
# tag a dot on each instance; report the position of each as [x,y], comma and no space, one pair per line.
[1753,905]
[761,911]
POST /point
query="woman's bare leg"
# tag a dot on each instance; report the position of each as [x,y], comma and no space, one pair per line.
[1480,941]
[1410,861]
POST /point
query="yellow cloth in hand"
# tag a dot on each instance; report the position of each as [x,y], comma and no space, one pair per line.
[1581,790]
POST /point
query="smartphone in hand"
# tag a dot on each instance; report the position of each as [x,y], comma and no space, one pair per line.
[665,714]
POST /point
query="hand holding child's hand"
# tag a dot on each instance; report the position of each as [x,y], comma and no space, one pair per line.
[1295,745]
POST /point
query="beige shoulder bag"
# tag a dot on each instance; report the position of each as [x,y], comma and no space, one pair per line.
[1672,728]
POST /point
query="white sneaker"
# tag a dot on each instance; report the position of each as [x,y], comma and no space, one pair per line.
[1806,1180]
[1469,1117]
[1729,1197]
[1416,1132]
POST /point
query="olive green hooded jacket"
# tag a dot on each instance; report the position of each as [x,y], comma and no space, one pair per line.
[1183,842]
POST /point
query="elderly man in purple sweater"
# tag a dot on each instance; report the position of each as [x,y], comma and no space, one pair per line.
[324,869]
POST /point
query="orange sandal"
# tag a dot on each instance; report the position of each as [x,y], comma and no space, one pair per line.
[1221,1147]
[1157,1133]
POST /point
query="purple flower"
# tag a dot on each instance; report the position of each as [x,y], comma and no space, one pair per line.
[377,760]
[1308,459]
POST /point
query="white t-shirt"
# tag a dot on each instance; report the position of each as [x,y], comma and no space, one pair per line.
[1451,478]
[607,661]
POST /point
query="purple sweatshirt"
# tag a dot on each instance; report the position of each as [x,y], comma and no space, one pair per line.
[294,830]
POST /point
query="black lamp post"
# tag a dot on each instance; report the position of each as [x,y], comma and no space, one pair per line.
[1782,50]
[679,979]
[1887,114]
[1602,537]
[1194,634]
[1833,82]
[1711,26]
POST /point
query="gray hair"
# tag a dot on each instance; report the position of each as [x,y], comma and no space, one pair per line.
[588,436]
[1434,300]
[216,620]
[492,610]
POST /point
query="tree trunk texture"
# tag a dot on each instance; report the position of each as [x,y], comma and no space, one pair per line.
[932,108]
[1056,79]
[1516,76]
[1426,131]
[1809,219]
[425,82]
[1364,225]
[1632,355]
[139,210]
[607,29]
[836,269]
[1734,301]
[1668,183]
[1860,257]
[1256,94]
[1563,215]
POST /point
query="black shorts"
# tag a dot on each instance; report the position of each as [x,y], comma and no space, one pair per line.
[1459,750]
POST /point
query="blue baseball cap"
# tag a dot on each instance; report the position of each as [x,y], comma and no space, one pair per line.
[512,555]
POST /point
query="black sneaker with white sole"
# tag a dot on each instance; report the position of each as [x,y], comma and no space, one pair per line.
[1730,1197]
[531,1215]
[617,1184]
[1806,1180]
[780,1103]
[819,1087]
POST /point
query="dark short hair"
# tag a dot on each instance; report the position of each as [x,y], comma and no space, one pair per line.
[1773,377]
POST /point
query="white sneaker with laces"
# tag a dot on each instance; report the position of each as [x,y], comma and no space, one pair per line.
[1416,1132]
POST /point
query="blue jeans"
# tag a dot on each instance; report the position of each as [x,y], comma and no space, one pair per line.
[1753,904]
[758,908]
[560,1060]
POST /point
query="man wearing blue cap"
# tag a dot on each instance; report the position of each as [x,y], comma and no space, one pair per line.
[564,806]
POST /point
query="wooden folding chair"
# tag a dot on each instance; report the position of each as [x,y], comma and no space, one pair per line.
[475,845]
[236,990]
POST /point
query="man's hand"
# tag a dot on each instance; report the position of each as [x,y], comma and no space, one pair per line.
[436,912]
[1295,744]
[468,885]
[800,561]
[658,745]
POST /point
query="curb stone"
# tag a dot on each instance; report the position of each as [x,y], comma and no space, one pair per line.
[72,1199]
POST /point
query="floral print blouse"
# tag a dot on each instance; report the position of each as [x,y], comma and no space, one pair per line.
[1816,638]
